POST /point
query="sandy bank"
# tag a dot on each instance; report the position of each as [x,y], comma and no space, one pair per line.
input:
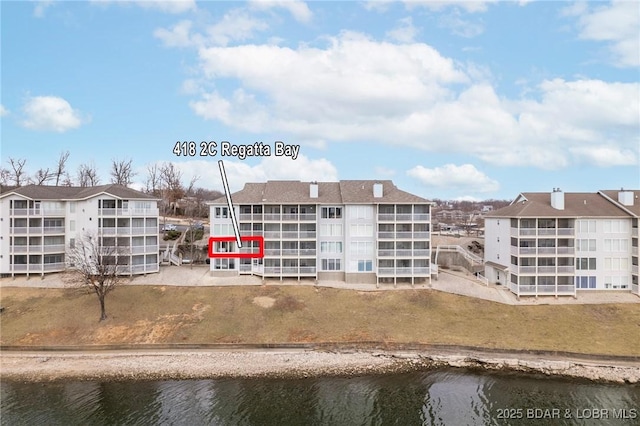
[199,364]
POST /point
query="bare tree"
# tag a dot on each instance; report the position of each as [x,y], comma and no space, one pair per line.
[60,171]
[88,175]
[17,171]
[5,176]
[94,266]
[121,172]
[171,178]
[153,184]
[42,176]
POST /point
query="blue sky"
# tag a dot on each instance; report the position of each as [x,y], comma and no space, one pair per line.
[454,100]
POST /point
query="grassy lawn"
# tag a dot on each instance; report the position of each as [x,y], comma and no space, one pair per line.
[146,314]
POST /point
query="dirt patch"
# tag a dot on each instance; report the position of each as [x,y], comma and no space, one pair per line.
[264,301]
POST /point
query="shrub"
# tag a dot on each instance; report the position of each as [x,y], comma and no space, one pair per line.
[194,235]
[172,235]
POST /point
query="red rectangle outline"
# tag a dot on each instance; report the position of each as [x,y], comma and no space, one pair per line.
[235,255]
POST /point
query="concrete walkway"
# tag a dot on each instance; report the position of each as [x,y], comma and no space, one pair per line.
[455,282]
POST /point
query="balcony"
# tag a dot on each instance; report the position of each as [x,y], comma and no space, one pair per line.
[272,252]
[527,270]
[53,230]
[54,248]
[306,217]
[307,252]
[290,252]
[566,269]
[546,250]
[307,234]
[634,251]
[528,231]
[546,231]
[404,271]
[386,217]
[249,217]
[272,234]
[404,217]
[566,231]
[22,230]
[290,234]
[546,269]
[566,250]
[138,269]
[386,235]
[39,212]
[421,217]
[404,235]
[270,217]
[527,250]
[420,235]
[289,217]
[128,212]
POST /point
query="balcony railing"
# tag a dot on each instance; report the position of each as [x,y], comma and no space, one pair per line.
[37,212]
[566,250]
[421,217]
[566,269]
[53,230]
[128,212]
[546,250]
[272,252]
[566,231]
[307,217]
[272,216]
[307,234]
[386,217]
[307,252]
[272,234]
[546,269]
[404,271]
[527,269]
[289,252]
[38,267]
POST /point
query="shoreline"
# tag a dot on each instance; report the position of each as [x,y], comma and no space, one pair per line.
[47,366]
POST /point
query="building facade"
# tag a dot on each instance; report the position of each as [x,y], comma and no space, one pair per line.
[353,231]
[559,243]
[38,223]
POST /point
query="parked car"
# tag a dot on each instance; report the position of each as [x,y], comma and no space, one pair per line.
[198,226]
[169,227]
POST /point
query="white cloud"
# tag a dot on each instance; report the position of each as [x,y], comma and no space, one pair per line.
[382,171]
[166,6]
[357,88]
[459,26]
[606,156]
[50,113]
[269,168]
[3,111]
[464,177]
[235,25]
[617,24]
[298,9]
[40,7]
[471,6]
[405,32]
[178,36]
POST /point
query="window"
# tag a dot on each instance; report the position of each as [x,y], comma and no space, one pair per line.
[585,282]
[331,230]
[361,212]
[331,264]
[616,263]
[616,245]
[331,247]
[72,225]
[222,212]
[365,265]
[331,212]
[616,282]
[72,207]
[587,226]
[361,230]
[72,243]
[586,245]
[584,263]
[362,247]
[616,226]
[223,230]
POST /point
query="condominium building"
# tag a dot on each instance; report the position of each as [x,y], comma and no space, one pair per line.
[38,223]
[559,243]
[356,231]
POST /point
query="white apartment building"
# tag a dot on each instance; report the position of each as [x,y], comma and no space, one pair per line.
[356,231]
[38,223]
[559,243]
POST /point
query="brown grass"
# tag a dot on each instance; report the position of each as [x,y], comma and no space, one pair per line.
[148,314]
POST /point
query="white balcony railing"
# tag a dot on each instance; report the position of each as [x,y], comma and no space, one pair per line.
[527,269]
[546,250]
[566,269]
[546,269]
[53,230]
[566,250]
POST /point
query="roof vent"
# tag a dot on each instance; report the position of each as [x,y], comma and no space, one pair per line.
[557,199]
[377,190]
[313,190]
[625,197]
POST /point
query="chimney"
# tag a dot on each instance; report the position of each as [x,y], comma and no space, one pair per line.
[625,197]
[377,190]
[313,190]
[557,199]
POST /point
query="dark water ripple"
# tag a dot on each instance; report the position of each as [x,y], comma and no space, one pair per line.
[444,397]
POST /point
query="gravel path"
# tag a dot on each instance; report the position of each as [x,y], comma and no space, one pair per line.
[198,364]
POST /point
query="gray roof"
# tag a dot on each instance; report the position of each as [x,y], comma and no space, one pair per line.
[342,192]
[50,192]
[576,204]
[635,208]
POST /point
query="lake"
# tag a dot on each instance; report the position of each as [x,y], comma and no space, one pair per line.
[438,397]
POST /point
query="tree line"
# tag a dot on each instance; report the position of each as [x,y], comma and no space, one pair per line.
[164,181]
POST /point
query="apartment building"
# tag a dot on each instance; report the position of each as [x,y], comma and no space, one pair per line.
[559,243]
[39,222]
[357,231]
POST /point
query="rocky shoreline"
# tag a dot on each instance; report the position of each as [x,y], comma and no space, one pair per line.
[207,364]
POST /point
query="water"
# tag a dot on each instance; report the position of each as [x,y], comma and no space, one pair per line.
[442,397]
